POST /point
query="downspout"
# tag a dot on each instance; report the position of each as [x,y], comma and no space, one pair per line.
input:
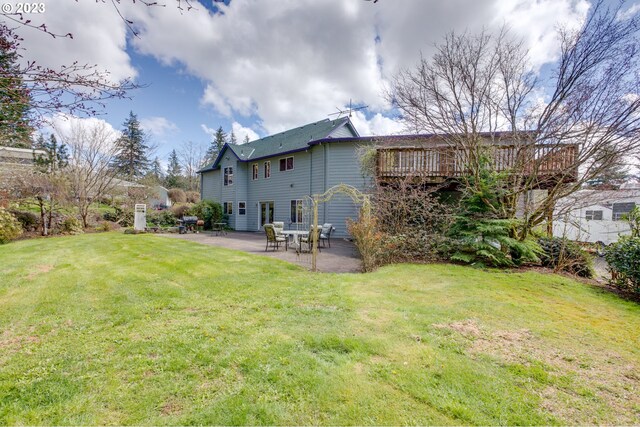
[310,171]
[324,188]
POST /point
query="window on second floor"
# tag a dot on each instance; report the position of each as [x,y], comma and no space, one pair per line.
[255,172]
[286,164]
[267,169]
[228,176]
[593,215]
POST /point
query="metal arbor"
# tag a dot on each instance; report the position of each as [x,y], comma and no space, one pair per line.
[356,195]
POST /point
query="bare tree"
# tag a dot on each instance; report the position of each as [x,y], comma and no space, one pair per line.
[76,88]
[47,191]
[91,177]
[192,158]
[479,93]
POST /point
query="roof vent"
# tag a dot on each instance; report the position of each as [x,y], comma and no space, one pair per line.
[281,145]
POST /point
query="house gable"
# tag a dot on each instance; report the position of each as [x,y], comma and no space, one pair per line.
[287,142]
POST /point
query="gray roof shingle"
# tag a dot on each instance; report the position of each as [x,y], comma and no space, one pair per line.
[289,141]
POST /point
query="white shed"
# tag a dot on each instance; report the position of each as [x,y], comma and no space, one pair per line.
[595,215]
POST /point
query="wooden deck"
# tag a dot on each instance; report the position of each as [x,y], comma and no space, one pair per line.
[438,164]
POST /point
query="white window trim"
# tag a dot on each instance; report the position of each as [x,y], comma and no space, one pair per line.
[285,163]
[227,175]
[267,177]
[254,177]
[245,209]
[227,209]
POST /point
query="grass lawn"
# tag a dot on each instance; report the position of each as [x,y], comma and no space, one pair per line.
[119,329]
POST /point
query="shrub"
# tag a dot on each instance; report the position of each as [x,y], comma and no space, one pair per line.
[104,226]
[192,196]
[415,245]
[177,195]
[624,261]
[72,225]
[208,211]
[133,231]
[482,241]
[10,227]
[368,240]
[28,220]
[124,217]
[180,210]
[564,255]
[164,218]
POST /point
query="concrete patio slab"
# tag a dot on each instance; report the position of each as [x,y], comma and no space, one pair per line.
[341,257]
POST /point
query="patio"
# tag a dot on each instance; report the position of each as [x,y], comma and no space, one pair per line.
[342,257]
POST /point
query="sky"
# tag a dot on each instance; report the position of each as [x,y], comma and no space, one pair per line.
[259,67]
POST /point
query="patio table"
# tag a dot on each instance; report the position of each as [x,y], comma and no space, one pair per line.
[219,228]
[295,234]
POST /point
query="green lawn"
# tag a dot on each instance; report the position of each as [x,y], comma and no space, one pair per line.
[122,329]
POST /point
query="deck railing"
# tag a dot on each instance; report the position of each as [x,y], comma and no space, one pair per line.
[442,162]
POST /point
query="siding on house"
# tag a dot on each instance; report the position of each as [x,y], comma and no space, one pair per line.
[343,167]
[281,188]
[228,192]
[316,168]
[211,185]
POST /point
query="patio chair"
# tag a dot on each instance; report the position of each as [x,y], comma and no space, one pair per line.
[278,226]
[325,234]
[273,239]
[308,239]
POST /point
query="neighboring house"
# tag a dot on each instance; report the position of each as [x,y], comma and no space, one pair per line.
[595,215]
[268,179]
[13,163]
[157,197]
[160,200]
[18,157]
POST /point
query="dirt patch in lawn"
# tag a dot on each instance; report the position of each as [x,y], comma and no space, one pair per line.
[171,407]
[576,385]
[38,270]
[468,328]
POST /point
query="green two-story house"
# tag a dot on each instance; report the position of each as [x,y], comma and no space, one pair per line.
[267,180]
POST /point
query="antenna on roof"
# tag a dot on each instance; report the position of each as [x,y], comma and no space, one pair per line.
[348,111]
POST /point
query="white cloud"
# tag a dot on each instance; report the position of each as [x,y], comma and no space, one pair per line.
[99,37]
[209,131]
[241,132]
[158,126]
[377,125]
[294,62]
[537,23]
[62,124]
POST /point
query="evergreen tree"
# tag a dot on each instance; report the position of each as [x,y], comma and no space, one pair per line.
[56,156]
[220,139]
[218,142]
[174,171]
[232,138]
[155,170]
[15,102]
[612,170]
[246,139]
[131,161]
[40,142]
